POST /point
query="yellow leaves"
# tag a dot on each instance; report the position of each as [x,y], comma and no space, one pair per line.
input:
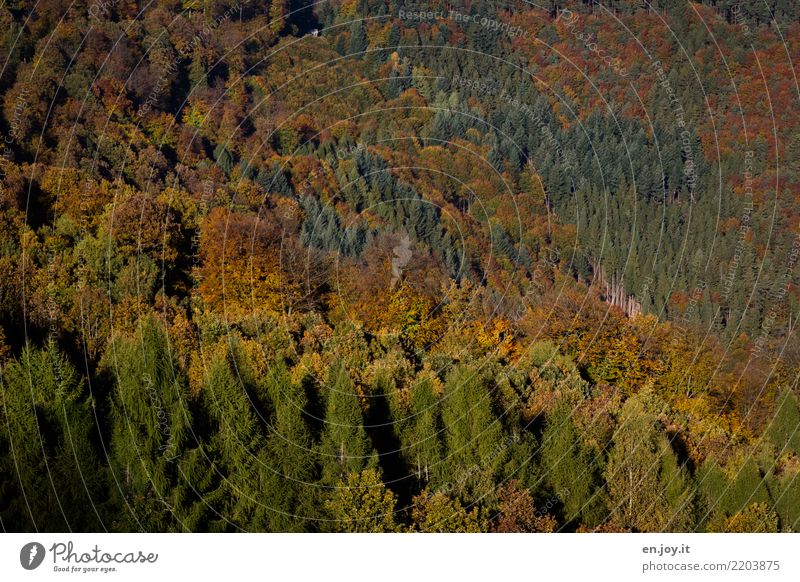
[240,286]
[540,400]
[72,193]
[688,371]
[278,12]
[434,513]
[495,335]
[708,432]
[755,518]
[349,8]
[199,364]
[409,313]
[253,353]
[362,503]
[161,128]
[311,365]
[612,354]
[314,338]
[195,115]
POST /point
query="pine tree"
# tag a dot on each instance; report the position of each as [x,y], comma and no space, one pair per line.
[150,430]
[223,158]
[290,455]
[474,437]
[785,491]
[237,445]
[569,469]
[345,447]
[358,39]
[52,478]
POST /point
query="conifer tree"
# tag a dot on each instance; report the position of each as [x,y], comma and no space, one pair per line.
[569,469]
[784,430]
[290,455]
[473,434]
[150,431]
[345,447]
[358,39]
[52,478]
[238,444]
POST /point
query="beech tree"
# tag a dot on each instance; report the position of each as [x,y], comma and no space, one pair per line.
[361,503]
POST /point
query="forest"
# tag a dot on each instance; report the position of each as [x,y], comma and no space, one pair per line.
[387,266]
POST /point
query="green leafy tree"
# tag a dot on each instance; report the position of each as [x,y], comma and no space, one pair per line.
[362,503]
[438,513]
[422,445]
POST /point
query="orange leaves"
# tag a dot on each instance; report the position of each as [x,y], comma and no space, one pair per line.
[312,176]
[496,335]
[141,224]
[113,95]
[241,270]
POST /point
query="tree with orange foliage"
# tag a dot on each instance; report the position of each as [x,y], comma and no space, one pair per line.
[241,271]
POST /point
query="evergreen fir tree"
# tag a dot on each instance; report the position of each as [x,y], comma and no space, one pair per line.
[345,447]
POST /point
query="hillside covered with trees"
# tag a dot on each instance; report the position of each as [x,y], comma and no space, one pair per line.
[382,266]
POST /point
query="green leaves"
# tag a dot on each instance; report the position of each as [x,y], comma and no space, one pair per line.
[361,503]
[784,429]
[569,469]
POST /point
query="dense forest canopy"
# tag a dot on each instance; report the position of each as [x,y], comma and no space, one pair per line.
[370,265]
